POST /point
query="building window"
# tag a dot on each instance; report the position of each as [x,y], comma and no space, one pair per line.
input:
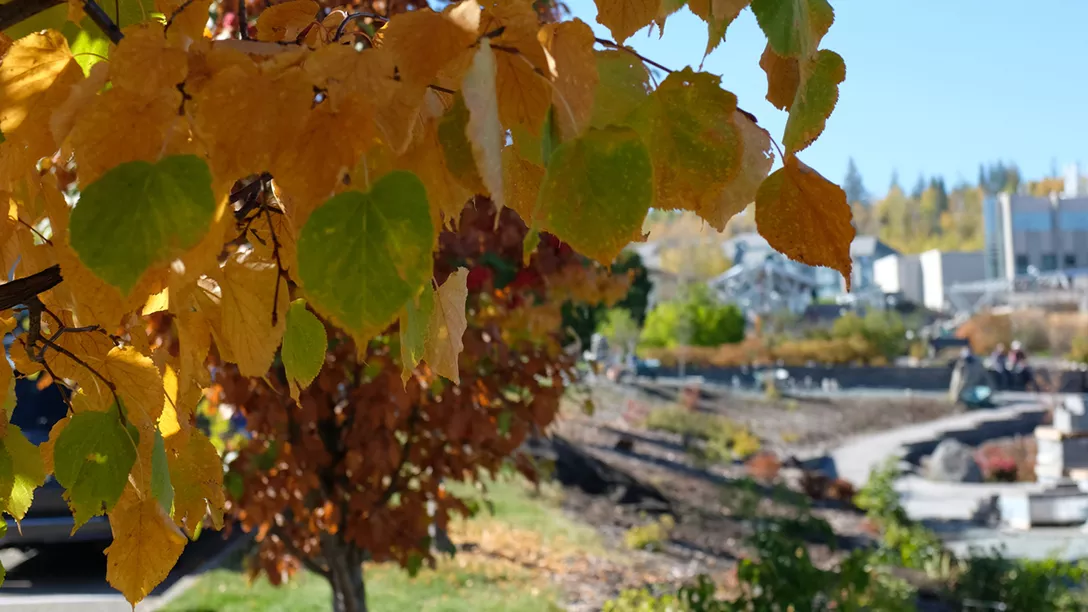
[1050,262]
[1070,261]
[1021,264]
[1034,221]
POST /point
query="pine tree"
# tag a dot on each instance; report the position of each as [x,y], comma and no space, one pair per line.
[853,185]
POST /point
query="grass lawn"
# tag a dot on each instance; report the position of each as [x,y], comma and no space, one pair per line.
[527,529]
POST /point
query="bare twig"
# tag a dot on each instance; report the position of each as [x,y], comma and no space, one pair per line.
[13,12]
[243,21]
[280,272]
[646,60]
[352,17]
[36,232]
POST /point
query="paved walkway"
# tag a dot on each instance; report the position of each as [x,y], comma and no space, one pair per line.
[922,498]
[947,507]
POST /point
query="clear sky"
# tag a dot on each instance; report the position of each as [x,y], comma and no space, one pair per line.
[933,87]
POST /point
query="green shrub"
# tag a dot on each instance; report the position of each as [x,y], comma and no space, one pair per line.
[697,319]
[1043,586]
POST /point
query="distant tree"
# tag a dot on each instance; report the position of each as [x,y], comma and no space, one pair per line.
[853,185]
[895,180]
[919,188]
[619,327]
[696,319]
[583,318]
[695,260]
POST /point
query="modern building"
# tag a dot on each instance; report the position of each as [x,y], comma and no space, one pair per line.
[900,275]
[943,269]
[1027,235]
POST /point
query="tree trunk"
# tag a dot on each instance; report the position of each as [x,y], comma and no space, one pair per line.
[345,574]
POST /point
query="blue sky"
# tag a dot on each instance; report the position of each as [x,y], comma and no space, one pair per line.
[932,86]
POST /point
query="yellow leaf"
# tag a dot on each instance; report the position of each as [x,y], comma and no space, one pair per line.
[717,14]
[187,18]
[806,217]
[238,95]
[194,342]
[524,179]
[36,76]
[755,163]
[249,286]
[119,126]
[446,195]
[625,17]
[484,131]
[571,44]
[197,475]
[158,302]
[64,118]
[285,21]
[145,64]
[146,544]
[139,385]
[783,77]
[424,41]
[169,423]
[624,85]
[447,326]
[46,448]
[523,66]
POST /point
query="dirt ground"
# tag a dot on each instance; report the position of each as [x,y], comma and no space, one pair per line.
[717,507]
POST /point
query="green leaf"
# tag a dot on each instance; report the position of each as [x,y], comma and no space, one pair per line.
[304,345]
[815,100]
[687,123]
[92,460]
[361,256]
[794,28]
[550,138]
[597,191]
[27,471]
[413,330]
[624,84]
[161,487]
[140,214]
[456,147]
[88,43]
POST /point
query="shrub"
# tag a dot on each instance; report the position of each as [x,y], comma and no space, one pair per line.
[1008,460]
[1078,351]
[763,465]
[697,319]
[723,440]
[651,536]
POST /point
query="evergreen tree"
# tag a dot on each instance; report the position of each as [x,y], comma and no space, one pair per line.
[853,185]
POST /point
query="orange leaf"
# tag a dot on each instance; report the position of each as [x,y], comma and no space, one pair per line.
[806,217]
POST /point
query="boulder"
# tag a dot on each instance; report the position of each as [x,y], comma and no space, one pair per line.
[953,461]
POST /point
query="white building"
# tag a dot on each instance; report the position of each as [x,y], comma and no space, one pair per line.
[900,275]
[941,270]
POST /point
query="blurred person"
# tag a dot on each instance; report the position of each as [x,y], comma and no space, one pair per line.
[999,364]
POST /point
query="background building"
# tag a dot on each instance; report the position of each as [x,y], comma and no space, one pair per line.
[943,269]
[1029,235]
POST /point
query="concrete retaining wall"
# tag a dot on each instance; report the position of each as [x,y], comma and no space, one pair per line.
[887,377]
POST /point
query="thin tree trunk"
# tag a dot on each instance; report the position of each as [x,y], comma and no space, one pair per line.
[345,575]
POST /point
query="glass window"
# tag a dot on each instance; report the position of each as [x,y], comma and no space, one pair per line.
[1031,221]
[1021,264]
[1070,261]
[1050,262]
[1073,220]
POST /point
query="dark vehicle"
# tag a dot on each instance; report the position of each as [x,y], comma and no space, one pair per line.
[49,519]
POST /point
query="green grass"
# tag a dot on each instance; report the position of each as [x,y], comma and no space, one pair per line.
[461,584]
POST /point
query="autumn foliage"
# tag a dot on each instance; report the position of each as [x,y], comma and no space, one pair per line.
[183,182]
[362,459]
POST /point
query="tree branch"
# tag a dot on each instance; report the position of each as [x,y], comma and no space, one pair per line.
[102,20]
[21,10]
[23,290]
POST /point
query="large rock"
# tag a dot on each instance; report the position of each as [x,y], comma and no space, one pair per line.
[953,461]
